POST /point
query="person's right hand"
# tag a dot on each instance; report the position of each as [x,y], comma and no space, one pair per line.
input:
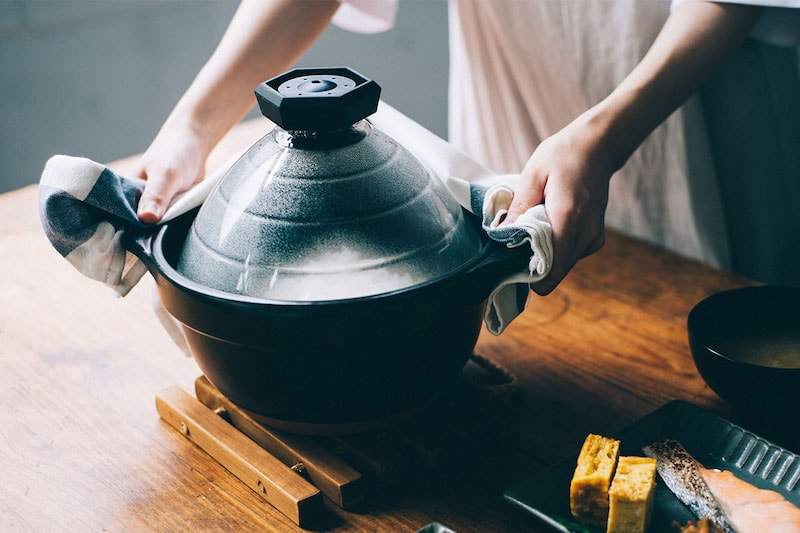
[172,164]
[569,172]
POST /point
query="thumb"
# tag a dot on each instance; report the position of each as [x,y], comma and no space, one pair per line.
[526,195]
[158,193]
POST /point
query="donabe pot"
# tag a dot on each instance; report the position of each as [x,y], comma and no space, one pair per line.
[334,366]
[329,282]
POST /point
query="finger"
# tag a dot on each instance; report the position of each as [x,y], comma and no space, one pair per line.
[528,192]
[562,266]
[558,272]
[158,192]
[522,201]
[595,245]
[564,242]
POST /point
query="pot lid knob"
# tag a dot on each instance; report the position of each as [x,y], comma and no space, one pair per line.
[318,99]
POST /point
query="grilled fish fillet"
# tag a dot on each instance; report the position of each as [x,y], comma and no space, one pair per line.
[730,503]
[749,508]
[681,473]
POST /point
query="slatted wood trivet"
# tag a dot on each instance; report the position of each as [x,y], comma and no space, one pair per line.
[293,472]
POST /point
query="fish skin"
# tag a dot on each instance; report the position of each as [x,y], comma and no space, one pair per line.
[682,475]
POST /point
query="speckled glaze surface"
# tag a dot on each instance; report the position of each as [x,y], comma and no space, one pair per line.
[329,280]
[342,215]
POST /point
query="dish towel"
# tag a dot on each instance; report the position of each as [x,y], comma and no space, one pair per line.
[85,208]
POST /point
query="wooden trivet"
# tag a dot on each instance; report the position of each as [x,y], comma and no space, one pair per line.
[292,472]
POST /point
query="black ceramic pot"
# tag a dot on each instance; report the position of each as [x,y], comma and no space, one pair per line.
[335,366]
[329,283]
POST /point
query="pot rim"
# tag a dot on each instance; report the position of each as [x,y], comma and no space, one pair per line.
[150,248]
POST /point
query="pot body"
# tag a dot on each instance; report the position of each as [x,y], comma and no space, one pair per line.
[351,372]
[327,367]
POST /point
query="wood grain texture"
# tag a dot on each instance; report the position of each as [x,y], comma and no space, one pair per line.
[337,480]
[261,471]
[82,447]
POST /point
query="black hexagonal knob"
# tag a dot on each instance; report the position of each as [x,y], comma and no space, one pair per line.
[318,99]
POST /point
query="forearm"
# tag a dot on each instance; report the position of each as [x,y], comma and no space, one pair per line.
[263,39]
[695,40]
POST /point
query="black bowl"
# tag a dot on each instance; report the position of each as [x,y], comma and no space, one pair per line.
[746,345]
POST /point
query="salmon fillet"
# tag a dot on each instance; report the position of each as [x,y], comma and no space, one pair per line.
[730,503]
[681,474]
[750,508]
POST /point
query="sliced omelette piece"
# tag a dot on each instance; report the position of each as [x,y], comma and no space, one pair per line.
[588,491]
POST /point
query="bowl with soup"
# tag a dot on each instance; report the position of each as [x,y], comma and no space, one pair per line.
[746,345]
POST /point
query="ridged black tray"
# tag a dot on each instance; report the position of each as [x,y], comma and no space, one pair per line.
[714,441]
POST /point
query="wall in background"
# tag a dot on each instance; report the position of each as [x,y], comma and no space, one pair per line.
[96,78]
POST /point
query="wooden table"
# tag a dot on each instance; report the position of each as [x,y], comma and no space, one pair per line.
[83,449]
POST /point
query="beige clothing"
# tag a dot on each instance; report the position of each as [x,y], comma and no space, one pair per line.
[535,66]
[520,70]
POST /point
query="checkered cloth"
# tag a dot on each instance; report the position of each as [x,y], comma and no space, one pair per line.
[86,208]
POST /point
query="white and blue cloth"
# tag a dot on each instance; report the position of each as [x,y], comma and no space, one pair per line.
[531,229]
[86,208]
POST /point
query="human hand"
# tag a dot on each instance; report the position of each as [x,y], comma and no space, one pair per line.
[569,172]
[172,164]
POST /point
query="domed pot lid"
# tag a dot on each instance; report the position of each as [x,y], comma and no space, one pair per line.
[326,206]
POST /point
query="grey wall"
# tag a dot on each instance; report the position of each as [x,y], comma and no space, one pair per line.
[96,78]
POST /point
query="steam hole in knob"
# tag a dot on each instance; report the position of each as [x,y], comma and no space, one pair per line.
[316,86]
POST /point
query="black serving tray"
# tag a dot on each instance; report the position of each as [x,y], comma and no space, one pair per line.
[714,441]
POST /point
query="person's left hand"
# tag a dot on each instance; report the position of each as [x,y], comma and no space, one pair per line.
[569,173]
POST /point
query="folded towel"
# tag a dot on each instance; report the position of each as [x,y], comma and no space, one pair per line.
[533,228]
[85,209]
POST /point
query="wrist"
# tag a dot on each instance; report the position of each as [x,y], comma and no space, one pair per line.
[610,139]
[625,118]
[203,124]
